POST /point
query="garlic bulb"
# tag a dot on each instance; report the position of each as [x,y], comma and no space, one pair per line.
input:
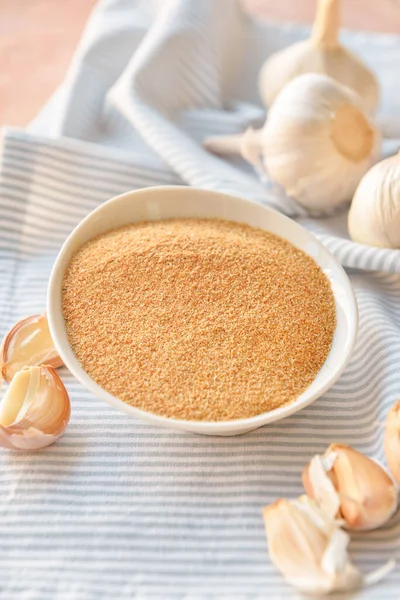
[35,409]
[323,54]
[374,216]
[392,441]
[310,550]
[27,343]
[351,486]
[317,143]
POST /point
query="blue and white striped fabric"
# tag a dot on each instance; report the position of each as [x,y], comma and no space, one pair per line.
[119,509]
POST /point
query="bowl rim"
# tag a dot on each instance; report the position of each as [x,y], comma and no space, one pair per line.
[212,427]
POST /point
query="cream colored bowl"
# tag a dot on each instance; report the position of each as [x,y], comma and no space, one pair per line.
[172,201]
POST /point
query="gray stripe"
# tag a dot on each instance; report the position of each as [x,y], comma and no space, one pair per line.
[118,508]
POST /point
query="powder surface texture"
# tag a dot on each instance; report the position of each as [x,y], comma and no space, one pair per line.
[198,319]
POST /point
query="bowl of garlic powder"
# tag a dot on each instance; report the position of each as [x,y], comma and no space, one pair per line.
[199,310]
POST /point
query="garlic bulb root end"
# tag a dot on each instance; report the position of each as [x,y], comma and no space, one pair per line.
[352,133]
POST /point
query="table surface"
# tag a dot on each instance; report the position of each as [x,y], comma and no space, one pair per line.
[38,38]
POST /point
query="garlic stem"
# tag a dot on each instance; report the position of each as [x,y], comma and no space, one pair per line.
[247,144]
[224,144]
[326,25]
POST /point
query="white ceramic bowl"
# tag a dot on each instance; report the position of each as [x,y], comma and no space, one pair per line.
[172,201]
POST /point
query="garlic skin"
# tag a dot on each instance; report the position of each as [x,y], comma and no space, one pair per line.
[310,550]
[35,409]
[317,142]
[350,486]
[27,343]
[392,441]
[374,216]
[323,54]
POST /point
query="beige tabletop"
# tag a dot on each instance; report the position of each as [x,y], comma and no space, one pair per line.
[38,37]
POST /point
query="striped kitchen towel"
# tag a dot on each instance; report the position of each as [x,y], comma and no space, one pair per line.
[119,509]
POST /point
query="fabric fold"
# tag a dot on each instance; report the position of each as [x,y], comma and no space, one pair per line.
[118,508]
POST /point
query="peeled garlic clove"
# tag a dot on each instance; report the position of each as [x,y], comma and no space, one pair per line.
[27,343]
[323,54]
[374,216]
[310,550]
[35,409]
[348,485]
[392,441]
[317,142]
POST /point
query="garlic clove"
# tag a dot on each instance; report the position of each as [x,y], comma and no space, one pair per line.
[297,541]
[310,550]
[27,343]
[346,484]
[35,409]
[374,216]
[321,53]
[392,441]
[325,31]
